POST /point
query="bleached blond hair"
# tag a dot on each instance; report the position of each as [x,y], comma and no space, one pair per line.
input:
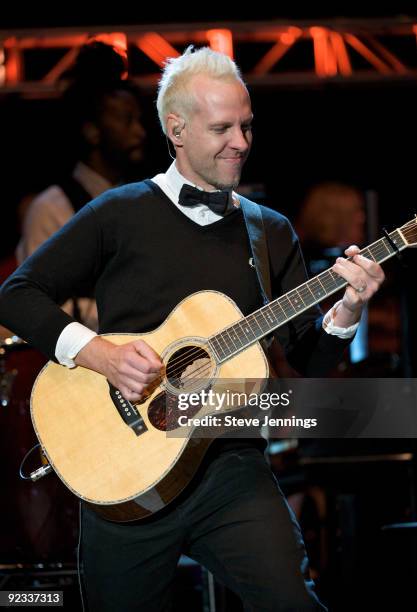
[174,95]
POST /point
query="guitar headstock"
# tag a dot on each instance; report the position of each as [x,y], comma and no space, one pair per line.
[409,232]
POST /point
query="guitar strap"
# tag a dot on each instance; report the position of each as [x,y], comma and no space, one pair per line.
[257,238]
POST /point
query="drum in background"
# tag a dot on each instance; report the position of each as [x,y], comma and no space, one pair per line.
[38,521]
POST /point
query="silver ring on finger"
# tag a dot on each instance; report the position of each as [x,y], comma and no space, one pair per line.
[361,289]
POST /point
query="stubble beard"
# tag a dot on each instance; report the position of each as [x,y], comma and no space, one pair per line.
[222,185]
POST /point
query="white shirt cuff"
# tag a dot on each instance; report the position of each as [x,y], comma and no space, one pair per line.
[72,339]
[332,329]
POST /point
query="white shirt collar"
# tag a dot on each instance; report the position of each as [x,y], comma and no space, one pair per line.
[173,180]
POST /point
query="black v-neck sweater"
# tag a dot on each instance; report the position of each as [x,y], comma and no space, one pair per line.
[141,256]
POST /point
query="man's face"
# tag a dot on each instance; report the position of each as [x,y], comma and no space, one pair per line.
[122,134]
[217,136]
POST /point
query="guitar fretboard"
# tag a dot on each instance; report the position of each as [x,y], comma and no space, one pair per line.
[251,329]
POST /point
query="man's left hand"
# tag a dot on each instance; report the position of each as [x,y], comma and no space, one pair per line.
[364,278]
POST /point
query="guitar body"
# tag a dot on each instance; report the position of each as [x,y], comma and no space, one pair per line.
[126,476]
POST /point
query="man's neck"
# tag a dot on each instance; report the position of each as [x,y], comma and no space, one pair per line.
[196,181]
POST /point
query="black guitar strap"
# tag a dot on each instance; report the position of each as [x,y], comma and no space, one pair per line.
[257,238]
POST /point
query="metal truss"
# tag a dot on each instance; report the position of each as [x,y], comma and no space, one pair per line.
[270,54]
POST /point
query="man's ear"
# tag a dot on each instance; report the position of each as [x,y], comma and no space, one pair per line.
[174,126]
[91,133]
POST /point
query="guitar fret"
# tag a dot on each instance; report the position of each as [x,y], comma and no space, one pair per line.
[387,246]
[253,318]
[271,318]
[307,285]
[321,284]
[278,303]
[262,323]
[265,320]
[212,344]
[400,239]
[233,336]
[222,345]
[338,281]
[285,297]
[318,289]
[367,253]
[295,302]
[217,348]
[305,294]
[397,238]
[301,297]
[278,312]
[241,332]
[333,278]
[248,331]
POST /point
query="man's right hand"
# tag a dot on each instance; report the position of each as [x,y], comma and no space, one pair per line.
[130,367]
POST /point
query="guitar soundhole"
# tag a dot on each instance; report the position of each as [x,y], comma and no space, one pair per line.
[188,365]
[184,368]
[163,411]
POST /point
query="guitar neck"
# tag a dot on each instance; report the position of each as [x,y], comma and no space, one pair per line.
[245,332]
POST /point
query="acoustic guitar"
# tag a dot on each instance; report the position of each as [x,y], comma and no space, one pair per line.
[125,459]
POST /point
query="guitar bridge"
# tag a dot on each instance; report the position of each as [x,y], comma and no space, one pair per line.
[127,411]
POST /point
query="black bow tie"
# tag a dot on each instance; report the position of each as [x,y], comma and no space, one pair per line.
[217,201]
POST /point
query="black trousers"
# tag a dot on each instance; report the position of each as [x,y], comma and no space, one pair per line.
[234,521]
